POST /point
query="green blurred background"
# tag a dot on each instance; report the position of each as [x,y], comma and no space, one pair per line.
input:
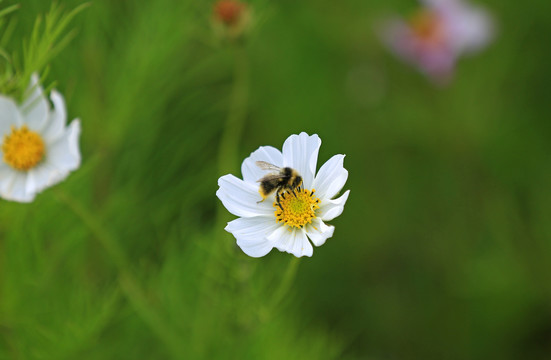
[443,250]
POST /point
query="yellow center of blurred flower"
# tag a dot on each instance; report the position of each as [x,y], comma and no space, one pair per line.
[427,26]
[23,149]
[298,209]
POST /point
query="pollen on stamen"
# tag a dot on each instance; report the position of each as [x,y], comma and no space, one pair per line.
[297,211]
[23,149]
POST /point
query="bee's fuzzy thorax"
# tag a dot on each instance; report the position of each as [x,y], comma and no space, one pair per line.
[285,179]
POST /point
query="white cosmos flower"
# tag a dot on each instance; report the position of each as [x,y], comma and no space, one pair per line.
[38,150]
[261,226]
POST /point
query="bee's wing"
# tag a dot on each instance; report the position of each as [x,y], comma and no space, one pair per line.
[267,166]
[270,177]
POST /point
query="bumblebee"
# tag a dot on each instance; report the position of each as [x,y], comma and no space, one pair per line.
[284,179]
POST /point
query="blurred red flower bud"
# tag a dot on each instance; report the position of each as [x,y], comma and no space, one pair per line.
[229,12]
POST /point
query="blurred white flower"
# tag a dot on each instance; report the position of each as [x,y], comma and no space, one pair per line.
[437,35]
[38,150]
[298,218]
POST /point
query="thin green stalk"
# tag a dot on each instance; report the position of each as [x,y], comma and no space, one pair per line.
[9,9]
[227,162]
[233,128]
[285,284]
[95,226]
[131,287]
[231,137]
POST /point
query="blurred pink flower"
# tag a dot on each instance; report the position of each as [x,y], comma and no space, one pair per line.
[438,34]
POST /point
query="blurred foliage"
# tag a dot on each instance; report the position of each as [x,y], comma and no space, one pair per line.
[48,37]
[443,251]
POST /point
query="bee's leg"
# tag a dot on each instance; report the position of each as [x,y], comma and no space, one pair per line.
[293,191]
[277,201]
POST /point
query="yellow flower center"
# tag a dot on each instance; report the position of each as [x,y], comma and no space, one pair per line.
[427,26]
[298,209]
[23,149]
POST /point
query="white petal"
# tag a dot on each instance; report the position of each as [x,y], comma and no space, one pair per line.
[468,27]
[436,62]
[7,176]
[44,176]
[19,189]
[437,3]
[251,172]
[330,209]
[9,116]
[251,234]
[35,108]
[302,245]
[292,241]
[281,238]
[319,232]
[58,117]
[64,153]
[16,189]
[62,157]
[31,181]
[301,153]
[471,30]
[330,178]
[241,198]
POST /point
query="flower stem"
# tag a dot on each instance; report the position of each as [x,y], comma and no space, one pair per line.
[233,128]
[131,287]
[286,283]
[227,161]
[231,137]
